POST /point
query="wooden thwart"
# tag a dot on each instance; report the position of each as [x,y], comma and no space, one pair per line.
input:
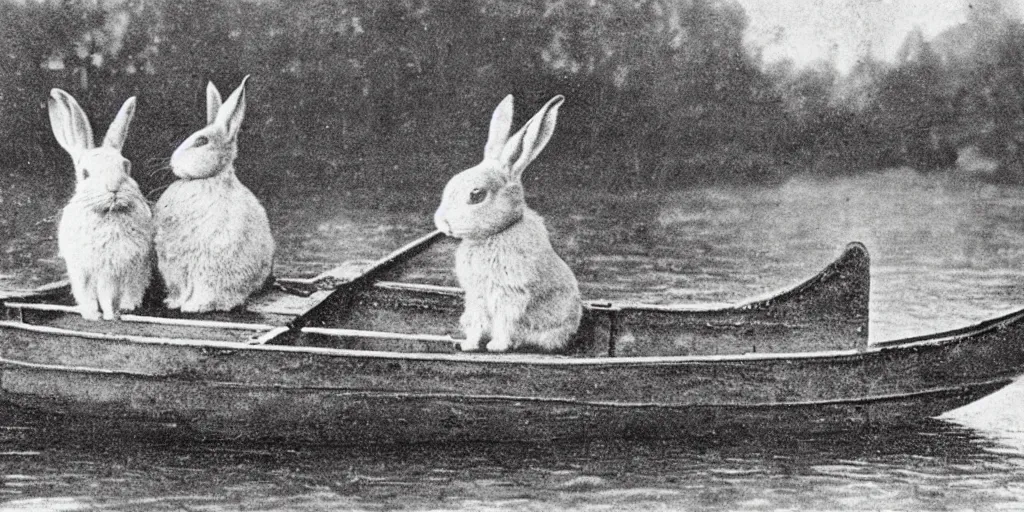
[181,322]
[267,332]
[356,333]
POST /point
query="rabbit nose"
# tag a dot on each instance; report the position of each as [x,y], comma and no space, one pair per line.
[113,183]
[442,224]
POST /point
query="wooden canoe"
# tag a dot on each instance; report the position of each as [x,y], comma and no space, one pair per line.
[221,382]
[321,369]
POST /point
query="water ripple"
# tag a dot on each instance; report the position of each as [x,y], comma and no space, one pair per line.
[945,254]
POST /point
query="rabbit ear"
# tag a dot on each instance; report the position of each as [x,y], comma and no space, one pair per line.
[231,113]
[501,125]
[118,131]
[69,123]
[213,103]
[528,142]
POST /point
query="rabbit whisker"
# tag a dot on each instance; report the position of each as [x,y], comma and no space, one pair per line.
[161,188]
[156,165]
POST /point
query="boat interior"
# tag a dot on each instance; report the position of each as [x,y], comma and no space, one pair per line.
[388,314]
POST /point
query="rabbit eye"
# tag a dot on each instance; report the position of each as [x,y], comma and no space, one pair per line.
[85,173]
[201,140]
[477,195]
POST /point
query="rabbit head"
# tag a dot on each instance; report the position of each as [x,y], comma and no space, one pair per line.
[488,198]
[211,150]
[103,177]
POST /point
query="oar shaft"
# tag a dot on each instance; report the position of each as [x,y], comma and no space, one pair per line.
[343,289]
[329,281]
[401,254]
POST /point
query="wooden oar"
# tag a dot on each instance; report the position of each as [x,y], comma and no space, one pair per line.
[343,288]
[329,281]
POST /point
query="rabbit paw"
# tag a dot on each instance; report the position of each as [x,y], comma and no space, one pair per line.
[470,344]
[196,307]
[498,345]
[89,313]
[131,304]
[472,341]
[172,303]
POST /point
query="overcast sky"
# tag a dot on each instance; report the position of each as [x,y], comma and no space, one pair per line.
[808,30]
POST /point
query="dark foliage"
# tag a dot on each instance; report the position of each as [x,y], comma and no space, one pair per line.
[399,92]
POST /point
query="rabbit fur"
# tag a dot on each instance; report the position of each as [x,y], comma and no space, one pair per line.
[213,241]
[105,232]
[518,291]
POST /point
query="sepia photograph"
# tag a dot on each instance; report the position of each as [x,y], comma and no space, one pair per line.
[538,255]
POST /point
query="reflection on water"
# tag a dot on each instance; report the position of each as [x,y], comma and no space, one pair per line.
[937,465]
[944,253]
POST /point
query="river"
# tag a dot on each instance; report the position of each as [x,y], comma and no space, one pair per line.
[946,252]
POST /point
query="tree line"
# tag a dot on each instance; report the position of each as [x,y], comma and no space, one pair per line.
[659,93]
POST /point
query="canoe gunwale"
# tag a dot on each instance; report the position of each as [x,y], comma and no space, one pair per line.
[960,332]
[933,340]
[762,302]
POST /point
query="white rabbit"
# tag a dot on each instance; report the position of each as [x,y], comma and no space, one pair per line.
[105,234]
[518,291]
[213,242]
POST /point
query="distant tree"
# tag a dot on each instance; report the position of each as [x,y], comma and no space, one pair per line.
[660,92]
[1000,91]
[910,109]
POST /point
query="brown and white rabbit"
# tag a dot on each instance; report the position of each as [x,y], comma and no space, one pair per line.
[518,291]
[213,242]
[105,233]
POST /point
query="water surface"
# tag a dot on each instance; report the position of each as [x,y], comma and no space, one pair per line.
[945,253]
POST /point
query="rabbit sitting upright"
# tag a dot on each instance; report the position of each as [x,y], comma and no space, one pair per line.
[105,233]
[518,291]
[213,242]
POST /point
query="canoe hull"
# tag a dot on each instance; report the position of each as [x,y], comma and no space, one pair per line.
[231,391]
[109,406]
[794,362]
